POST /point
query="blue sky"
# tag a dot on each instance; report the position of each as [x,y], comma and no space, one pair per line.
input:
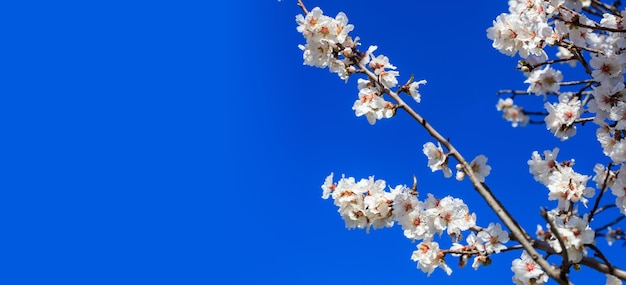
[162,142]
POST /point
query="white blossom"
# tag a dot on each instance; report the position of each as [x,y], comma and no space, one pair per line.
[437,158]
[544,81]
[541,166]
[371,104]
[562,116]
[363,204]
[527,272]
[480,168]
[428,258]
[413,90]
[574,231]
[567,186]
[606,66]
[512,112]
[493,238]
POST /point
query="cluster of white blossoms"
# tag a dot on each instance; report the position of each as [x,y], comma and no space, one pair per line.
[524,29]
[527,30]
[363,204]
[371,103]
[573,230]
[487,241]
[512,113]
[531,26]
[324,37]
[367,204]
[329,45]
[438,160]
[544,81]
[565,185]
[609,103]
[562,115]
[429,256]
[616,182]
[610,107]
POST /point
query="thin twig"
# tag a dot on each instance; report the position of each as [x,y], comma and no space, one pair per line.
[603,208]
[547,62]
[596,27]
[610,8]
[569,83]
[586,261]
[601,256]
[597,203]
[535,113]
[476,252]
[611,223]
[565,260]
[301,5]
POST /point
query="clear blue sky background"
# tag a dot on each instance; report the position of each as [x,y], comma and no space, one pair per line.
[183,142]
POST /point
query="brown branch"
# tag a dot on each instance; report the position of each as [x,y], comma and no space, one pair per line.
[576,50]
[595,27]
[473,252]
[535,113]
[601,256]
[565,260]
[609,8]
[533,67]
[611,223]
[570,83]
[597,12]
[601,267]
[603,208]
[586,261]
[301,5]
[514,93]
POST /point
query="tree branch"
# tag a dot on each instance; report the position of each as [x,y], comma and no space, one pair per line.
[482,188]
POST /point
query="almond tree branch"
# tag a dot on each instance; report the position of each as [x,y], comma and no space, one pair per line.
[482,188]
[518,234]
[576,50]
[586,261]
[601,256]
[547,62]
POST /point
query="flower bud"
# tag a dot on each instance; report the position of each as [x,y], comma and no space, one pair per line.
[347,52]
[460,175]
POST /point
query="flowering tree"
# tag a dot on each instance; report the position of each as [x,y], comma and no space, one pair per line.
[587,34]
